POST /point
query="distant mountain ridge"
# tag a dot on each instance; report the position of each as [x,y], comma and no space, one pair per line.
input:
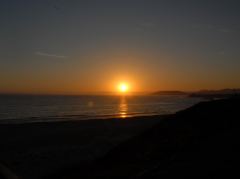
[202,93]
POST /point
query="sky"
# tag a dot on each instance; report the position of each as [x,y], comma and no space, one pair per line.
[89,46]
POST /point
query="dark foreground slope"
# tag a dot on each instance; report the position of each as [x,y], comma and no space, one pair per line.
[36,150]
[202,141]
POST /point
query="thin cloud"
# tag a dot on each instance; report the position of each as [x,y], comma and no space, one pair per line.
[212,28]
[50,55]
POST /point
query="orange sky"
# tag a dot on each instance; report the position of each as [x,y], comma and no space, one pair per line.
[105,76]
[78,47]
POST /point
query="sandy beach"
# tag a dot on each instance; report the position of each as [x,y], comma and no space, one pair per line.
[33,150]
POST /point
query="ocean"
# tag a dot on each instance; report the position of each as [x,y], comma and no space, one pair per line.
[30,108]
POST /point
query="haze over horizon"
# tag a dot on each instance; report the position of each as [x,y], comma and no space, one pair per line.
[90,46]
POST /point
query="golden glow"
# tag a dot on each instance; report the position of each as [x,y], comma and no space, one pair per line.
[123,87]
[123,108]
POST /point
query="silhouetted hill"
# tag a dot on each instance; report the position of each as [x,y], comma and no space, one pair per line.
[202,141]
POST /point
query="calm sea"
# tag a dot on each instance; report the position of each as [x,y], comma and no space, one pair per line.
[21,109]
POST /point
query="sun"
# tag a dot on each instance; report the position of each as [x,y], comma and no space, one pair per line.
[123,87]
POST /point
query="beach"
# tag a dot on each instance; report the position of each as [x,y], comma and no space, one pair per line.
[33,150]
[200,141]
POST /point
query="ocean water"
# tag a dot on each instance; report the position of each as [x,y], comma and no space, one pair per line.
[21,109]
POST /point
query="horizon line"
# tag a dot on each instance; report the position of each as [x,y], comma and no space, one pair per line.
[111,93]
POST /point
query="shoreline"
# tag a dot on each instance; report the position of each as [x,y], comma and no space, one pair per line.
[35,149]
[47,120]
[201,141]
[39,149]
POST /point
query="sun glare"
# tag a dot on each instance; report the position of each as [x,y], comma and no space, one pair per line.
[123,87]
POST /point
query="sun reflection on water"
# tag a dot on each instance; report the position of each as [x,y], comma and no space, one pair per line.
[123,107]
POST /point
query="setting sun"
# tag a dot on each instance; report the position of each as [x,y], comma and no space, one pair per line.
[123,87]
